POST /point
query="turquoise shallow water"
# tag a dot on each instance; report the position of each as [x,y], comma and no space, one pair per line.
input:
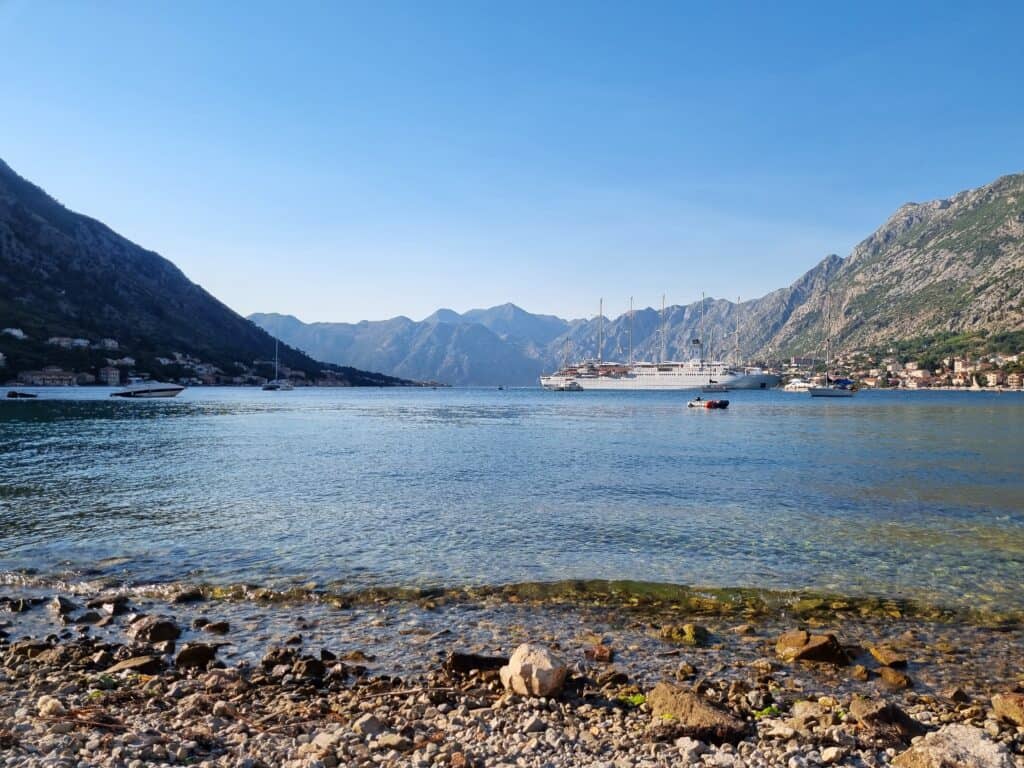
[911,495]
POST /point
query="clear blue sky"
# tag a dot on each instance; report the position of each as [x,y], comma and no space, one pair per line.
[342,161]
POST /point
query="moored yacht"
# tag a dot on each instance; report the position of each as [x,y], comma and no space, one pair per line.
[138,387]
[277,384]
[689,374]
[798,385]
[697,373]
[834,387]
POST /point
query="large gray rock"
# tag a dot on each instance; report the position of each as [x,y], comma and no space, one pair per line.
[690,715]
[955,746]
[533,670]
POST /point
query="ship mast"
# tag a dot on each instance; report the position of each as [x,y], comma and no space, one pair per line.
[828,310]
[664,342]
[736,328]
[702,329]
[630,331]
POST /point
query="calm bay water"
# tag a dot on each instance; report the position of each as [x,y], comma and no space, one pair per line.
[917,495]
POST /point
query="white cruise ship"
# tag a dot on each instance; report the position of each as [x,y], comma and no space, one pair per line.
[691,374]
[696,373]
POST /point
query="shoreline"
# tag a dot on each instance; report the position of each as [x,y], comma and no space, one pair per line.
[641,597]
[241,702]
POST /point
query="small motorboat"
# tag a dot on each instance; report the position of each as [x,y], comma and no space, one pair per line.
[147,388]
[15,395]
[699,402]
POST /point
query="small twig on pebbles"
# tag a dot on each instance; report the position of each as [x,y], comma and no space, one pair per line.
[408,692]
[115,725]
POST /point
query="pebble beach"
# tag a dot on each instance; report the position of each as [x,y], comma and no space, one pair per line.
[169,678]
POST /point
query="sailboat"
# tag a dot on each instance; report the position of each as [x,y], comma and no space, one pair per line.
[277,384]
[833,387]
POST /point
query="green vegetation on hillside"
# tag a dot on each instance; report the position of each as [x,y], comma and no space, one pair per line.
[933,349]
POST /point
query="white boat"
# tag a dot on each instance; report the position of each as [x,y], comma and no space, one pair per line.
[277,384]
[833,387]
[798,385]
[690,374]
[666,375]
[147,388]
[832,390]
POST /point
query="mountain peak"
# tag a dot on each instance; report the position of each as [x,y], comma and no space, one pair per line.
[444,315]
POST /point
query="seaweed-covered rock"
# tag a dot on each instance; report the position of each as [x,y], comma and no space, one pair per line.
[686,634]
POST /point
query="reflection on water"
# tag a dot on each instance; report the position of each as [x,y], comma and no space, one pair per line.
[914,494]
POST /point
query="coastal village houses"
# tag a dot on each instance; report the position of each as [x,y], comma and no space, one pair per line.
[109,376]
[50,376]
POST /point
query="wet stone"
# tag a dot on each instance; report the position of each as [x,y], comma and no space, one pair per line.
[143,665]
[195,656]
[893,679]
[154,629]
[800,645]
[887,656]
[1009,707]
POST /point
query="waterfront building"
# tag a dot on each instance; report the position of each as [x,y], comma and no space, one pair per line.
[50,376]
[110,376]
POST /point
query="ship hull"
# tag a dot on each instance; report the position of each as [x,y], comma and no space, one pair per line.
[661,382]
[756,381]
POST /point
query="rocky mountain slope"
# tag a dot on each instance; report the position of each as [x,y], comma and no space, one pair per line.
[64,274]
[950,265]
[444,347]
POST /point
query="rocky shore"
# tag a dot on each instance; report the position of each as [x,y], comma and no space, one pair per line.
[126,679]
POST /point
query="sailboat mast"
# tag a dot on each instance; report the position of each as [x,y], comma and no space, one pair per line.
[736,328]
[664,341]
[828,310]
[631,331]
[702,328]
[600,329]
[276,377]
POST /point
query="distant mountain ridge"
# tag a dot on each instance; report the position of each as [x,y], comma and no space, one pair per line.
[63,274]
[951,265]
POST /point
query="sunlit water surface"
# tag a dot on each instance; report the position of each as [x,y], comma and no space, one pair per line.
[914,495]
